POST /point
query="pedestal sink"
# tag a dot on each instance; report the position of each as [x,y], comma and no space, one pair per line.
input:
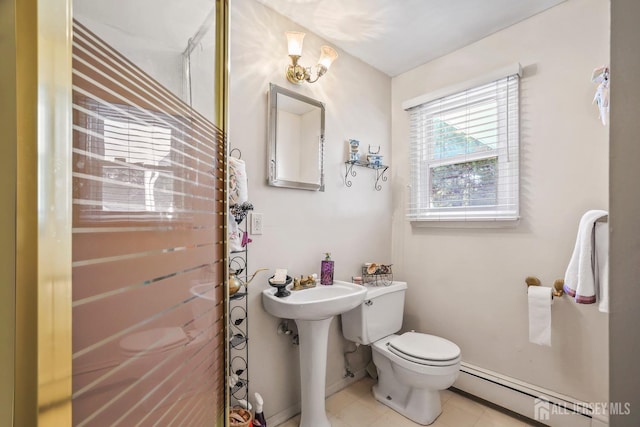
[313,309]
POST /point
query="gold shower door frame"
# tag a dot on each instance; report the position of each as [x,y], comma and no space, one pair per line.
[38,76]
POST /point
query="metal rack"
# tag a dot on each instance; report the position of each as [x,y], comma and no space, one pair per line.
[378,278]
[239,321]
[378,168]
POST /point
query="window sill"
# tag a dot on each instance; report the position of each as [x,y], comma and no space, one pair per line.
[511,222]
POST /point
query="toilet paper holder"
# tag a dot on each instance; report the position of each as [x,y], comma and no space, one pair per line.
[557,285]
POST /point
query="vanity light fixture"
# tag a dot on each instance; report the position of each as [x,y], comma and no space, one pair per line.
[298,74]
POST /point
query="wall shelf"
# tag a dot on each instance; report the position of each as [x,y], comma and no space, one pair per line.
[378,168]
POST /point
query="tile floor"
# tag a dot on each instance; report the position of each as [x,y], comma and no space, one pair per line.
[355,406]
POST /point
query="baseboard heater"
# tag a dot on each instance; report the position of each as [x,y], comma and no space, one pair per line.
[544,406]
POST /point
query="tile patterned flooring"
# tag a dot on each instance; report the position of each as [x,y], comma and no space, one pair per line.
[355,406]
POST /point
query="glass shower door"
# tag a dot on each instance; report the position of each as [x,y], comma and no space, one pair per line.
[148,214]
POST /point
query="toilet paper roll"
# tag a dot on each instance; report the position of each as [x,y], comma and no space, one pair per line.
[540,300]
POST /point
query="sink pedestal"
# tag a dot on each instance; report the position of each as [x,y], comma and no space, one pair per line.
[314,336]
[313,309]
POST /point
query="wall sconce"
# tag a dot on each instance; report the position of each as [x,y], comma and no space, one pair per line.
[296,73]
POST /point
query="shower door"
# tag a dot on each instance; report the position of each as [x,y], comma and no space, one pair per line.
[149,253]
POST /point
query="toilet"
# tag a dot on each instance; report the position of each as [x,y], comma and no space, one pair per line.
[412,367]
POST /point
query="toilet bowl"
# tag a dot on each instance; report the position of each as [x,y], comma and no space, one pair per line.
[410,387]
[412,367]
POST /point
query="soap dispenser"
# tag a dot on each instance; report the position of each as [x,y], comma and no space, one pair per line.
[326,270]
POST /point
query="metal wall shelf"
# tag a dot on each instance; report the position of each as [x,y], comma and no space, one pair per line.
[378,168]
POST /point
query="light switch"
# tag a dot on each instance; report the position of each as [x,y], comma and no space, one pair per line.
[256,223]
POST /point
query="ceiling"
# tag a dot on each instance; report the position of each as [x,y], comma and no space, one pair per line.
[395,36]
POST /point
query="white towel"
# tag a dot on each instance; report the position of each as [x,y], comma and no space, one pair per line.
[238,185]
[235,235]
[580,279]
[602,265]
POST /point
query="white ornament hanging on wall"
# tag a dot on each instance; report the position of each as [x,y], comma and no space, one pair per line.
[601,99]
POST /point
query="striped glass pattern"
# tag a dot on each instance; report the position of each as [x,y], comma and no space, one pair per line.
[148,261]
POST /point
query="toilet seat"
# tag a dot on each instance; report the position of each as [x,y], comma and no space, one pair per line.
[153,341]
[424,349]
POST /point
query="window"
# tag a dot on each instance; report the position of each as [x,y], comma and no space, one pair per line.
[148,187]
[133,163]
[464,154]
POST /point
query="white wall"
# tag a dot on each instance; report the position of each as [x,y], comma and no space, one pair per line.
[157,61]
[160,53]
[351,223]
[625,210]
[203,69]
[468,284]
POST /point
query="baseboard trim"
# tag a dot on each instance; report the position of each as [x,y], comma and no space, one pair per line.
[536,403]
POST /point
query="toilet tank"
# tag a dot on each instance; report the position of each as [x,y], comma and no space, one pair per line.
[378,316]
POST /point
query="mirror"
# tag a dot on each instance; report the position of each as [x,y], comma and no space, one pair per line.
[296,140]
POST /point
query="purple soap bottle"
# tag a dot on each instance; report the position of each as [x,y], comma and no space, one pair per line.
[326,270]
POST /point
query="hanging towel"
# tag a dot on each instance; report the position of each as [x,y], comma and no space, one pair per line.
[235,236]
[601,234]
[238,186]
[580,279]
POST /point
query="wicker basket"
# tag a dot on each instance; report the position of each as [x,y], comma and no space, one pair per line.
[237,414]
[379,276]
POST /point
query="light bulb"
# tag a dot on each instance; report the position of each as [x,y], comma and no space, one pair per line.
[327,56]
[294,41]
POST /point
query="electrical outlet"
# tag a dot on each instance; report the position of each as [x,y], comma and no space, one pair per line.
[256,223]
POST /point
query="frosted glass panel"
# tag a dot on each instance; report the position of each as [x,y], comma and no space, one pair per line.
[148,261]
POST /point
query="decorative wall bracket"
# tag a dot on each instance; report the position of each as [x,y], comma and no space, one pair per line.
[379,169]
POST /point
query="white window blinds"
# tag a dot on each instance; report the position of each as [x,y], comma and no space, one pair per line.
[463,155]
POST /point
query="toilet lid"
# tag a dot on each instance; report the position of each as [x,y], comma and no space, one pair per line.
[154,340]
[425,349]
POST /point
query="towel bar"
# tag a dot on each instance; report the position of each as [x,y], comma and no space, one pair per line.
[557,285]
[603,219]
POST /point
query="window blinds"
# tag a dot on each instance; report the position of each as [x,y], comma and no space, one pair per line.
[148,249]
[463,154]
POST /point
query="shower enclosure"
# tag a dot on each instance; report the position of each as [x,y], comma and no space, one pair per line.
[148,246]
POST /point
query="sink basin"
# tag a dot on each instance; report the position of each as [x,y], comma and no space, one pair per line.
[321,302]
[313,309]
